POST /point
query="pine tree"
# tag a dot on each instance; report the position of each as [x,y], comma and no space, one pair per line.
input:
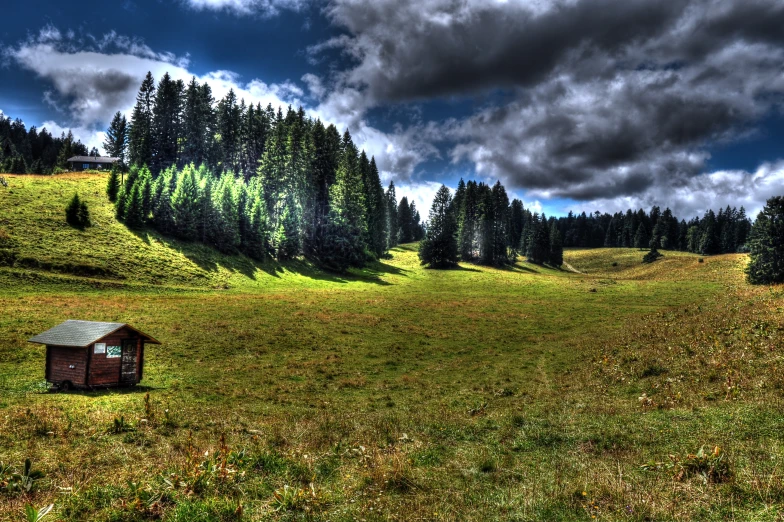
[162,212]
[116,141]
[72,212]
[439,247]
[404,220]
[286,241]
[257,242]
[185,204]
[166,125]
[641,239]
[140,133]
[556,246]
[766,245]
[83,215]
[539,241]
[392,219]
[134,207]
[224,200]
[113,184]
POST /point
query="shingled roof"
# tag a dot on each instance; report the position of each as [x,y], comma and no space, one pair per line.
[81,333]
[93,159]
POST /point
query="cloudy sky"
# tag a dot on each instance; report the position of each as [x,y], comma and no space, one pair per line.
[572,104]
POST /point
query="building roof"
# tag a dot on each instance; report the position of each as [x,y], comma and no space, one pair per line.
[93,159]
[79,334]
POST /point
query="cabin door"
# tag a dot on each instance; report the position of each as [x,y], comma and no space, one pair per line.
[128,366]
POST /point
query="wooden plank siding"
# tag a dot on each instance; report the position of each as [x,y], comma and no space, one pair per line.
[59,360]
[104,370]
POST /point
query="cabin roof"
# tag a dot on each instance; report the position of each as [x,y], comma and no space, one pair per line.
[81,333]
[93,159]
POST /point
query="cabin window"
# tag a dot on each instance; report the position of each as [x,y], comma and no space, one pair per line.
[85,165]
[113,352]
[100,348]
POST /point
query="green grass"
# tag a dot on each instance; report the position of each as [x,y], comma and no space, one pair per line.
[391,393]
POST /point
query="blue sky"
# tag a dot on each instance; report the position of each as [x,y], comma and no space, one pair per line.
[572,104]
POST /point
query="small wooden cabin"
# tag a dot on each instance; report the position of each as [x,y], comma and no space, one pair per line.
[83,354]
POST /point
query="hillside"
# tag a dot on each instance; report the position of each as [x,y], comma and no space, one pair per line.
[392,393]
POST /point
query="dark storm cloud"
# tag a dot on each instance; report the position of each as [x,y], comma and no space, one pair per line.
[433,48]
[612,99]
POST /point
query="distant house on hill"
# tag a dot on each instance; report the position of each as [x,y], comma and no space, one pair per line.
[79,163]
[87,353]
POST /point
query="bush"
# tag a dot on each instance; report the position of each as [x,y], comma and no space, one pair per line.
[651,256]
[76,213]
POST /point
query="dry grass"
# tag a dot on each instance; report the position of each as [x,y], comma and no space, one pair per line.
[399,393]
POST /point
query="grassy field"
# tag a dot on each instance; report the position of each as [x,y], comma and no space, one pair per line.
[392,393]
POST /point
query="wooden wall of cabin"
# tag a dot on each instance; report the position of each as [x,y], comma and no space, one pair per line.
[59,360]
[105,371]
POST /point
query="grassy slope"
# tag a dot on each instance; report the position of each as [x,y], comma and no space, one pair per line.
[397,392]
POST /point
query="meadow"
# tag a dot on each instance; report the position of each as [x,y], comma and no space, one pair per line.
[615,390]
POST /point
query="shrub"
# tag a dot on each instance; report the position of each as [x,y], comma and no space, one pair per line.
[651,256]
[76,213]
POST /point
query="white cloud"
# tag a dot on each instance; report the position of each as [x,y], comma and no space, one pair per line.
[247,7]
[714,190]
[89,137]
[421,193]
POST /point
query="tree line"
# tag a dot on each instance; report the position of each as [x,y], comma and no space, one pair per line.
[32,151]
[479,224]
[258,181]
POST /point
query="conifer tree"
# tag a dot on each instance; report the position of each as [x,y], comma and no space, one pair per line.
[641,239]
[140,133]
[766,245]
[116,141]
[72,211]
[257,241]
[439,247]
[166,125]
[226,233]
[392,218]
[404,220]
[134,207]
[162,212]
[286,241]
[556,246]
[113,184]
[185,205]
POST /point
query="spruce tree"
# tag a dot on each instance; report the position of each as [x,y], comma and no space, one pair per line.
[140,134]
[185,205]
[224,200]
[116,141]
[134,207]
[556,246]
[286,240]
[113,184]
[392,219]
[72,212]
[766,245]
[641,239]
[439,247]
[404,221]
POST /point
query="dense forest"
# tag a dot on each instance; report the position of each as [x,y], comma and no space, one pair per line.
[252,179]
[488,229]
[32,151]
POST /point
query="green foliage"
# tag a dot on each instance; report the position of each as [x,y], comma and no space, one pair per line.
[766,245]
[113,185]
[439,248]
[36,515]
[116,142]
[76,213]
[186,205]
[19,482]
[556,246]
[652,256]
